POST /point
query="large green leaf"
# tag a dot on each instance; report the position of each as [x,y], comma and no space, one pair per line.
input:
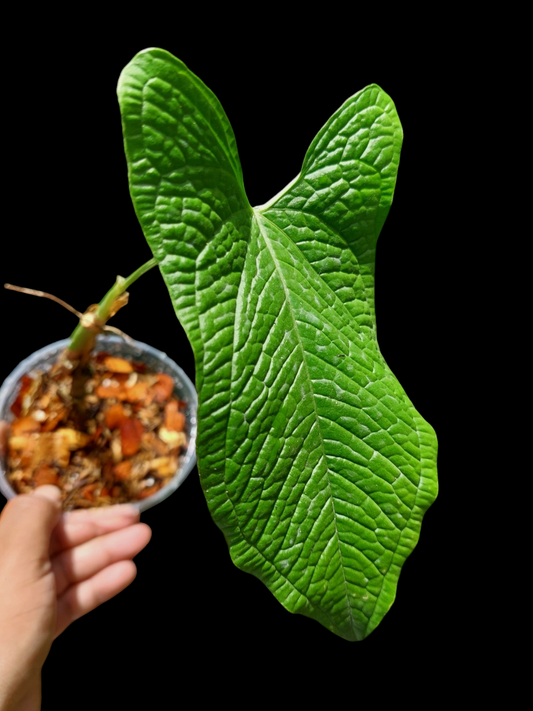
[314,462]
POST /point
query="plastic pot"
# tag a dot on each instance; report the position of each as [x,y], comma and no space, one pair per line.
[156,361]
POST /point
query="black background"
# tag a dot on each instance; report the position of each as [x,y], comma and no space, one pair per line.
[191,622]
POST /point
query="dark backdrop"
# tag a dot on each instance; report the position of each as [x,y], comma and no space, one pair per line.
[71,228]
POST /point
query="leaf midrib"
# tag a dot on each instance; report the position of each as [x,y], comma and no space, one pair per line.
[348,247]
[266,240]
[260,216]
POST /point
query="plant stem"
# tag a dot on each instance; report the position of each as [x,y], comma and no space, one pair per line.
[138,273]
[82,339]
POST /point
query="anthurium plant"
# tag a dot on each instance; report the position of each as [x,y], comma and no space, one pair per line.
[313,461]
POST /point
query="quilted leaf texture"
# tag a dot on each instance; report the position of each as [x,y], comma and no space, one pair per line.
[313,461]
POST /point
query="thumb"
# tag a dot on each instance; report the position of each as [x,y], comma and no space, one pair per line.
[49,492]
[27,523]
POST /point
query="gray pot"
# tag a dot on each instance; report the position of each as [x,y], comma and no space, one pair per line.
[154,359]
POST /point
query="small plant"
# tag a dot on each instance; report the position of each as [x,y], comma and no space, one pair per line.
[105,427]
[313,461]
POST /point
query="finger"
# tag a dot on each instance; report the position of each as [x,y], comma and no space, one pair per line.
[85,596]
[77,527]
[48,492]
[81,563]
[27,524]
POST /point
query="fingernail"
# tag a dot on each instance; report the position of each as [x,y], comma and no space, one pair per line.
[48,491]
[118,510]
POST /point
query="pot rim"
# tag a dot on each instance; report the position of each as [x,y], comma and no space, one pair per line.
[183,384]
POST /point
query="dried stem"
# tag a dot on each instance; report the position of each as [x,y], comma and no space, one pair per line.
[35,292]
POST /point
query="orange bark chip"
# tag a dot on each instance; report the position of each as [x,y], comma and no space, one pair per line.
[122,470]
[25,382]
[137,392]
[111,391]
[120,378]
[118,365]
[114,416]
[174,420]
[162,390]
[24,426]
[88,491]
[149,491]
[53,419]
[45,475]
[131,432]
[22,448]
[107,473]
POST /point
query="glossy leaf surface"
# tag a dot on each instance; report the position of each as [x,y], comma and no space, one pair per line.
[314,462]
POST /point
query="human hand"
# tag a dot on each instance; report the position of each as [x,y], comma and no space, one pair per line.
[53,569]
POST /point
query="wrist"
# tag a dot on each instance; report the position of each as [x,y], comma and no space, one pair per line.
[20,684]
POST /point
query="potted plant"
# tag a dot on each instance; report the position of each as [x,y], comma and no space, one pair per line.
[313,461]
[107,419]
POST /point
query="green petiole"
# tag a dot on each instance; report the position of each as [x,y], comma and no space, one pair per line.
[84,335]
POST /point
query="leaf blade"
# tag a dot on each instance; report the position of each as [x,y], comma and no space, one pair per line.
[308,449]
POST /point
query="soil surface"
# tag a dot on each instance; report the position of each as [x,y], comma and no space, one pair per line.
[108,433]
